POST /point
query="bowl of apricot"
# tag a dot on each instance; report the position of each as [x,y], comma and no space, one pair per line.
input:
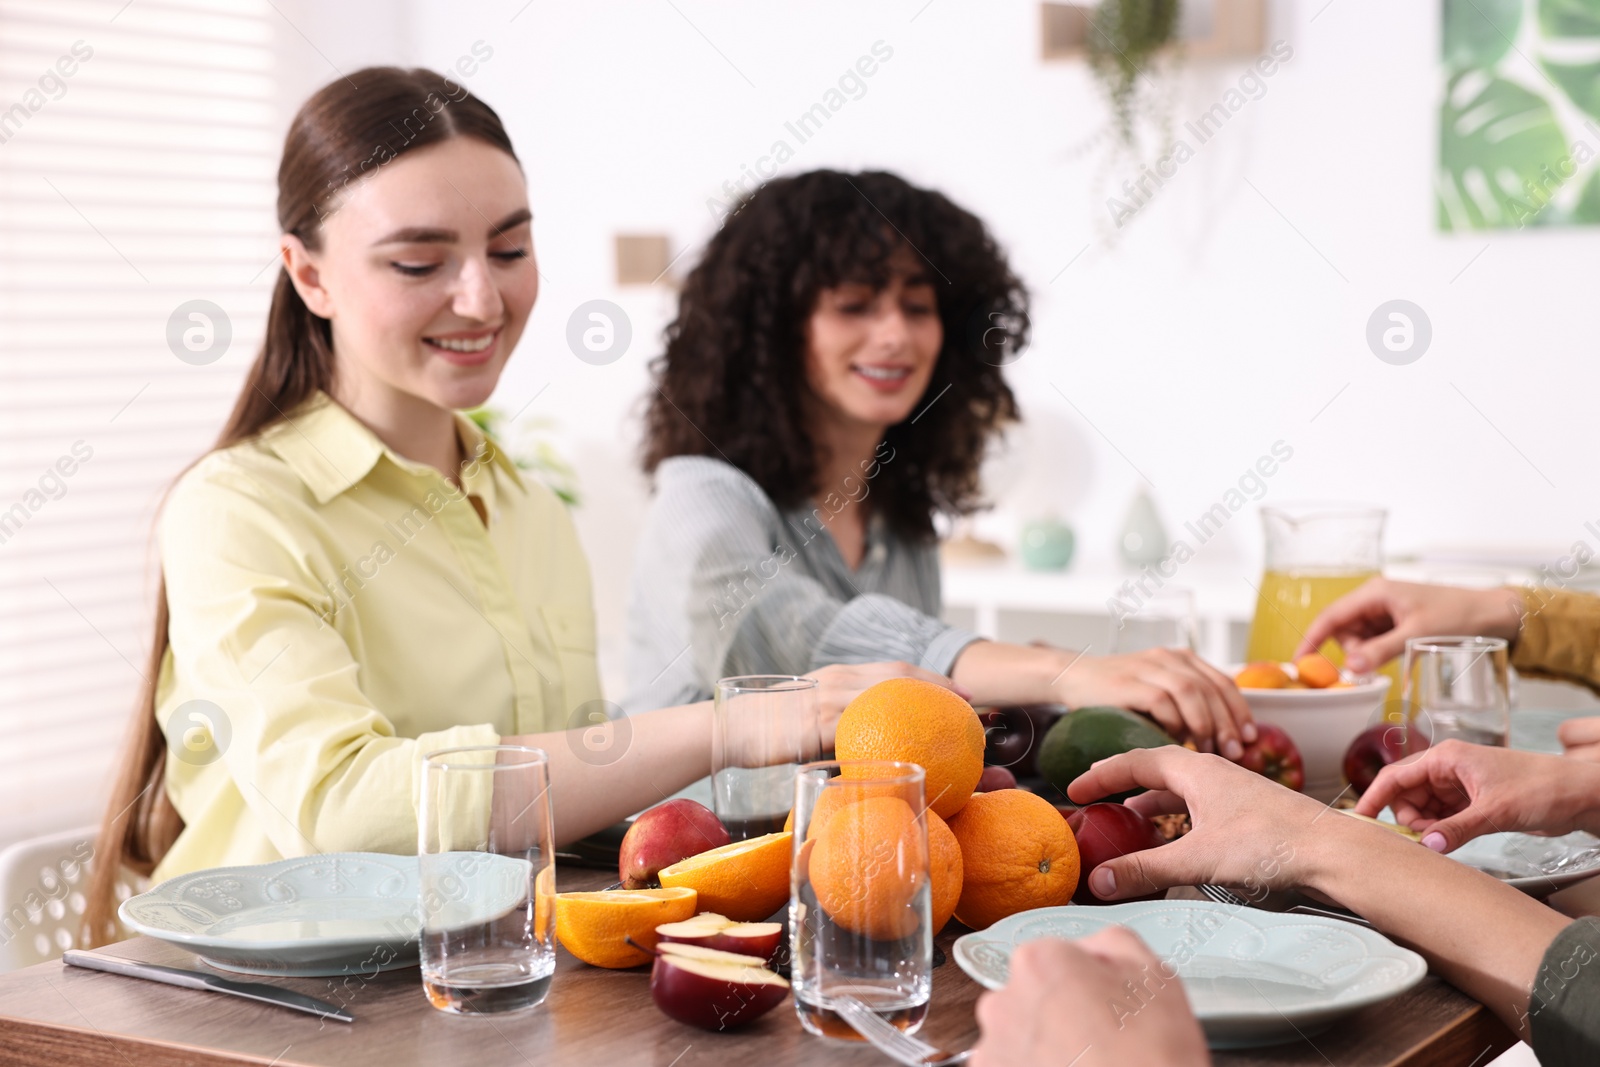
[1320,706]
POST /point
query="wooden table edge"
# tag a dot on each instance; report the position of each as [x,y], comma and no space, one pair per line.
[28,1042]
[1440,1050]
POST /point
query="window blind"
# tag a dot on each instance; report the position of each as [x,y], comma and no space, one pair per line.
[138,152]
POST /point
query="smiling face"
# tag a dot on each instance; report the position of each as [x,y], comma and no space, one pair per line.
[870,354]
[426,272]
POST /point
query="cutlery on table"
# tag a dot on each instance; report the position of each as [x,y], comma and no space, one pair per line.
[891,1041]
[1228,896]
[260,991]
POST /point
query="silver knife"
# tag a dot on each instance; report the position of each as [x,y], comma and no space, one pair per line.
[267,994]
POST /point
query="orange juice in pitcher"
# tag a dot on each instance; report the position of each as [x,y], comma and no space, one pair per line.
[1315,553]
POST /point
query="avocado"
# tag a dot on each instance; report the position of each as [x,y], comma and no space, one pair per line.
[1083,737]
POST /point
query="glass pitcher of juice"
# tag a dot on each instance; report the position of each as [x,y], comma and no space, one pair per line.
[1315,553]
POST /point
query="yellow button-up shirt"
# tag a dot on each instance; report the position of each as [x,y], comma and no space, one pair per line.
[337,612]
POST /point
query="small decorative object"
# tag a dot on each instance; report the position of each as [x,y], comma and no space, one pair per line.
[1047,544]
[524,441]
[1143,540]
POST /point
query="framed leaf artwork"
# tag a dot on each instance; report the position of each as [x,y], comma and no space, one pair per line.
[1519,120]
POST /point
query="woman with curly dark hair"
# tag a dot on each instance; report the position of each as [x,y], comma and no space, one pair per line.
[829,385]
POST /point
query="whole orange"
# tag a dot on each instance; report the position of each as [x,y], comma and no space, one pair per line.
[944,864]
[866,867]
[917,722]
[1017,853]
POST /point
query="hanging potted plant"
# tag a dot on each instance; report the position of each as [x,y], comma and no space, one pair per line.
[1130,48]
[1124,42]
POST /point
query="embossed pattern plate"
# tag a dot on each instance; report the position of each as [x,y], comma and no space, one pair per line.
[1253,977]
[1536,865]
[333,914]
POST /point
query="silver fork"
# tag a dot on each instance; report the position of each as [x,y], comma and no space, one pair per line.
[1229,897]
[896,1044]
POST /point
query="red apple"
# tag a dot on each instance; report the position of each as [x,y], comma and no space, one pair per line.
[1273,755]
[664,835]
[1104,832]
[710,930]
[713,990]
[1378,746]
[994,778]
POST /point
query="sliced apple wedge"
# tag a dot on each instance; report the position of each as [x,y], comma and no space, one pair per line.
[710,930]
[711,989]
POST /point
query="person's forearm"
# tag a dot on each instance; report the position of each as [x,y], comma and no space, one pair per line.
[996,673]
[1486,938]
[599,775]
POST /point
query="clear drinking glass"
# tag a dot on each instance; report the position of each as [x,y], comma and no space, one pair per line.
[763,727]
[1165,619]
[1459,687]
[486,850]
[859,915]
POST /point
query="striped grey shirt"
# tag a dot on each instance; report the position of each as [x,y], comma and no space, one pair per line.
[725,584]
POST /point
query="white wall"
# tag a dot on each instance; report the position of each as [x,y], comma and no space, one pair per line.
[1216,324]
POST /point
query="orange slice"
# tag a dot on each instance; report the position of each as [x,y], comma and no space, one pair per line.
[746,880]
[595,927]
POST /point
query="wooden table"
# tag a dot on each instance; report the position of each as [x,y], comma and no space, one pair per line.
[50,1014]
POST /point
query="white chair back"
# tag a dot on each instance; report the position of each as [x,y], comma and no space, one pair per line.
[42,885]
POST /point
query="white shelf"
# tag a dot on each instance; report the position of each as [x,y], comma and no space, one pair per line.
[1222,597]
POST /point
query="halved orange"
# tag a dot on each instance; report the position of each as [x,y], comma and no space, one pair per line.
[595,927]
[745,880]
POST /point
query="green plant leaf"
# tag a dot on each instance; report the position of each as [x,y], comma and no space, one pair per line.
[1580,81]
[1494,137]
[1587,210]
[1570,18]
[1477,33]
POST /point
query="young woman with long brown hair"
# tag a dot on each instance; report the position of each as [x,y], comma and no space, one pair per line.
[355,576]
[828,388]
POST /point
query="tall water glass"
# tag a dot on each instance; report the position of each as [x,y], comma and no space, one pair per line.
[486,851]
[1458,687]
[859,916]
[763,727]
[1165,619]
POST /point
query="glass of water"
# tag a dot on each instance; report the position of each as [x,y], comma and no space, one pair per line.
[1165,619]
[486,852]
[763,726]
[1458,687]
[859,917]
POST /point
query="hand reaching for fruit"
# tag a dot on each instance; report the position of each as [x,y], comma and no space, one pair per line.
[1187,696]
[1373,623]
[1247,830]
[1456,791]
[1035,1020]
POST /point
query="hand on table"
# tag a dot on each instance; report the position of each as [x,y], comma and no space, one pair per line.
[1247,831]
[1185,694]
[1070,999]
[1373,623]
[1456,791]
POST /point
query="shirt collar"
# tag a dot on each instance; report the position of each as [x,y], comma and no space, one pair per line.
[331,450]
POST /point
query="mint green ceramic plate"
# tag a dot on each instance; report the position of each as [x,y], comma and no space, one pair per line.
[1252,977]
[335,914]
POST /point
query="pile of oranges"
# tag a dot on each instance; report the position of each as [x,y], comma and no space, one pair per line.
[990,855]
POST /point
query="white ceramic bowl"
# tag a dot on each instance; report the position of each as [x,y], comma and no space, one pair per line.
[1322,723]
